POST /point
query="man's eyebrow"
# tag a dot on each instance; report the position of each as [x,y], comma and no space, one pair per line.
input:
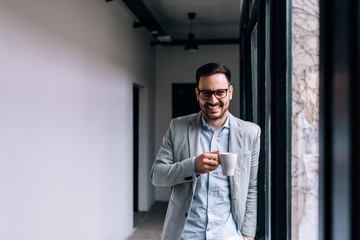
[214,90]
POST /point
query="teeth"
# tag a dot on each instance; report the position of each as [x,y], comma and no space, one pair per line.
[213,107]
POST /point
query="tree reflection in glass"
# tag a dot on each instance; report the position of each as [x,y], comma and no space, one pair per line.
[305,120]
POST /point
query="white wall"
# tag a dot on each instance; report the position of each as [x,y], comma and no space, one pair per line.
[67,71]
[174,65]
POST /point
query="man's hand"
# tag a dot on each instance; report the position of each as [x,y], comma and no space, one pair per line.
[207,162]
[247,237]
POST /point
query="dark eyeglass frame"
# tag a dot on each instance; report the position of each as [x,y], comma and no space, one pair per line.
[213,93]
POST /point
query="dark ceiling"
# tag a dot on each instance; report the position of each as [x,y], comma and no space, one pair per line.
[215,22]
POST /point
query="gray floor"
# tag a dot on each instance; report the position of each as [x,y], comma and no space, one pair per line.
[149,225]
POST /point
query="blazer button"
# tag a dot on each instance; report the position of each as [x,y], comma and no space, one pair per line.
[188,178]
[186,214]
[234,198]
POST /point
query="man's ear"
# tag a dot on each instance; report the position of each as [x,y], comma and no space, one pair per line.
[230,92]
[197,93]
[301,92]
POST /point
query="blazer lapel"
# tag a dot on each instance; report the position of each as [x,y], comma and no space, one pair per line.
[235,144]
[194,131]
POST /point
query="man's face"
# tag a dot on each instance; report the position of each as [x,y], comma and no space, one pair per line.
[310,95]
[214,108]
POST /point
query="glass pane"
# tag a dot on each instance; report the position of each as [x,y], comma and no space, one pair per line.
[251,2]
[305,120]
[254,57]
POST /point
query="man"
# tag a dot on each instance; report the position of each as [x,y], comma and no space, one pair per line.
[305,163]
[204,204]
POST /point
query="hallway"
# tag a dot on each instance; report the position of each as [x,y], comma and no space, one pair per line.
[148,225]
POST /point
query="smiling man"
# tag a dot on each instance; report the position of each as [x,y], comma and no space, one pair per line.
[205,204]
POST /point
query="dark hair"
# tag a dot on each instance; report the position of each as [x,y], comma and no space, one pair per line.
[210,69]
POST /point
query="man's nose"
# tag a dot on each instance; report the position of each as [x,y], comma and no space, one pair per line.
[213,99]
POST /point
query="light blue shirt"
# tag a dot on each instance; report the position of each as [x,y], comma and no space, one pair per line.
[210,215]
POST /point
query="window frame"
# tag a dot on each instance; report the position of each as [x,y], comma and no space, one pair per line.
[339,120]
[339,107]
[273,108]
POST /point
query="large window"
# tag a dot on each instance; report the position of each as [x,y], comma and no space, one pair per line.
[309,161]
[305,120]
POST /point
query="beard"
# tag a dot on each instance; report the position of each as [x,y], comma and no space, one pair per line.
[206,111]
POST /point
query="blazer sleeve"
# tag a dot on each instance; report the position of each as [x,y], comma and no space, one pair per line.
[250,217]
[166,170]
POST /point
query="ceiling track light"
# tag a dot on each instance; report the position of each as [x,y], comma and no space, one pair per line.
[191,45]
[158,34]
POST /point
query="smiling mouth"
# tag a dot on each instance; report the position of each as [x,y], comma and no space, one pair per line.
[213,107]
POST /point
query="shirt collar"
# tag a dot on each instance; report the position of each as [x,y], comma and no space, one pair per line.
[305,121]
[204,123]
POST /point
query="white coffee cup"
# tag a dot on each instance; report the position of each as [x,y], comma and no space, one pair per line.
[228,163]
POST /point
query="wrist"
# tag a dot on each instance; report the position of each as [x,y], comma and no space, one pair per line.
[247,237]
[195,170]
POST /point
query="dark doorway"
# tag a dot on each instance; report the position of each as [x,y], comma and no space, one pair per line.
[184,100]
[136,147]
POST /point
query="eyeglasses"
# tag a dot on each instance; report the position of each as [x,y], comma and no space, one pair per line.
[219,94]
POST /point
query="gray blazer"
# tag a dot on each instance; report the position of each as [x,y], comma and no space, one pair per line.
[173,167]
